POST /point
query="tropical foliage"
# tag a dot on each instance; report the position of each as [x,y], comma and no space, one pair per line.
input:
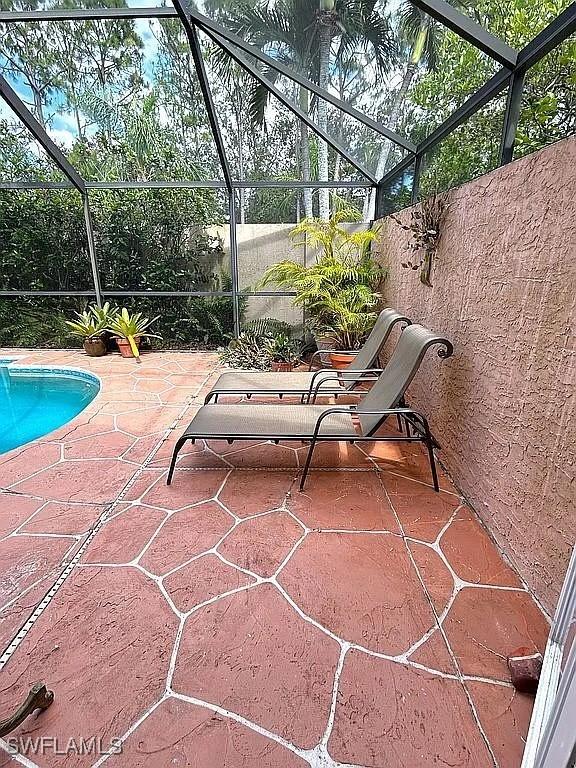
[121,98]
[339,290]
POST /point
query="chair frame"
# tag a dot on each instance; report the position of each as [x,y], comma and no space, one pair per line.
[417,427]
[421,433]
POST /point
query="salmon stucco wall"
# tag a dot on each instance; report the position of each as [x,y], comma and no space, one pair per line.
[503,408]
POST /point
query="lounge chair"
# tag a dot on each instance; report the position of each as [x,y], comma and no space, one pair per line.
[300,382]
[246,421]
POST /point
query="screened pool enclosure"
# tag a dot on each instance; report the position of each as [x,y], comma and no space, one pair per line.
[157,156]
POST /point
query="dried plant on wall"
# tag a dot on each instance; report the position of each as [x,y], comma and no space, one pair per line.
[425,227]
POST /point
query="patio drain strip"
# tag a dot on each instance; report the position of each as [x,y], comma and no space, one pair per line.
[65,573]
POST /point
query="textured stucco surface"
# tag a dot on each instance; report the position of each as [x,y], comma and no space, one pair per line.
[503,407]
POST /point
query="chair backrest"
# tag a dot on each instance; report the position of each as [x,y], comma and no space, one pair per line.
[368,354]
[401,369]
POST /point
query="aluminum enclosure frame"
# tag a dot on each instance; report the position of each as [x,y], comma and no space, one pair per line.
[510,76]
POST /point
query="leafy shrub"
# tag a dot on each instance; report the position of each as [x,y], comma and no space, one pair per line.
[145,240]
[247,351]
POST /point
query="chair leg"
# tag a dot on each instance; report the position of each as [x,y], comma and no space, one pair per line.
[399,420]
[177,448]
[307,464]
[430,446]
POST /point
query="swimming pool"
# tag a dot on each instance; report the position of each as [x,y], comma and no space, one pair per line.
[35,401]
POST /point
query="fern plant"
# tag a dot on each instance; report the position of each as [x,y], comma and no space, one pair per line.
[339,292]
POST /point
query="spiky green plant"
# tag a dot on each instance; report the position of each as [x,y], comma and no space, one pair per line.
[86,325]
[129,326]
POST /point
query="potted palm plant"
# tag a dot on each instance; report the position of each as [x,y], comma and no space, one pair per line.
[283,352]
[128,330]
[90,326]
[339,291]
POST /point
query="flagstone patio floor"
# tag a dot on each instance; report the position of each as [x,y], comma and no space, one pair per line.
[231,620]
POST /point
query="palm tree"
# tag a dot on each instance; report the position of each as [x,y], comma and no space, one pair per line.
[303,37]
[420,36]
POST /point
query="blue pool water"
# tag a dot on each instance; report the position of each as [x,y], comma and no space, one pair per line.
[35,401]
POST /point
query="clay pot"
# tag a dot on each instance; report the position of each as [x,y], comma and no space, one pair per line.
[125,348]
[95,346]
[341,360]
[281,366]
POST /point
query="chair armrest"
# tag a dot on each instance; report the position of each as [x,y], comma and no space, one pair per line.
[316,387]
[342,375]
[376,412]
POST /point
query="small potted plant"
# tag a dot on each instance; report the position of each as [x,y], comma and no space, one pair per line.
[90,327]
[283,352]
[128,330]
[104,316]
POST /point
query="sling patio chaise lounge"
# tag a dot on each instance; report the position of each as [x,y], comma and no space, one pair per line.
[315,423]
[329,380]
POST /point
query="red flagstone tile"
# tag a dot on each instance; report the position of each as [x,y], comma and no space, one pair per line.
[15,510]
[169,366]
[178,734]
[260,545]
[122,538]
[252,654]
[91,480]
[486,625]
[15,615]
[25,559]
[141,448]
[335,455]
[435,575]
[262,456]
[422,512]
[107,446]
[184,535]
[223,446]
[404,717]
[178,395]
[331,572]
[474,556]
[248,492]
[24,461]
[186,380]
[144,371]
[152,385]
[434,654]
[203,579]
[64,518]
[187,488]
[190,456]
[143,482]
[347,500]
[104,647]
[147,420]
[80,427]
[410,461]
[505,716]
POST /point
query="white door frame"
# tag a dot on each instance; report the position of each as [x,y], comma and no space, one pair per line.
[551,741]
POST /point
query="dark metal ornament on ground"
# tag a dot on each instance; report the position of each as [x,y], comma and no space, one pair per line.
[39,697]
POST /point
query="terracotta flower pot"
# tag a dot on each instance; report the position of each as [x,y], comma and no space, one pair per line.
[95,346]
[340,360]
[125,348]
[282,366]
